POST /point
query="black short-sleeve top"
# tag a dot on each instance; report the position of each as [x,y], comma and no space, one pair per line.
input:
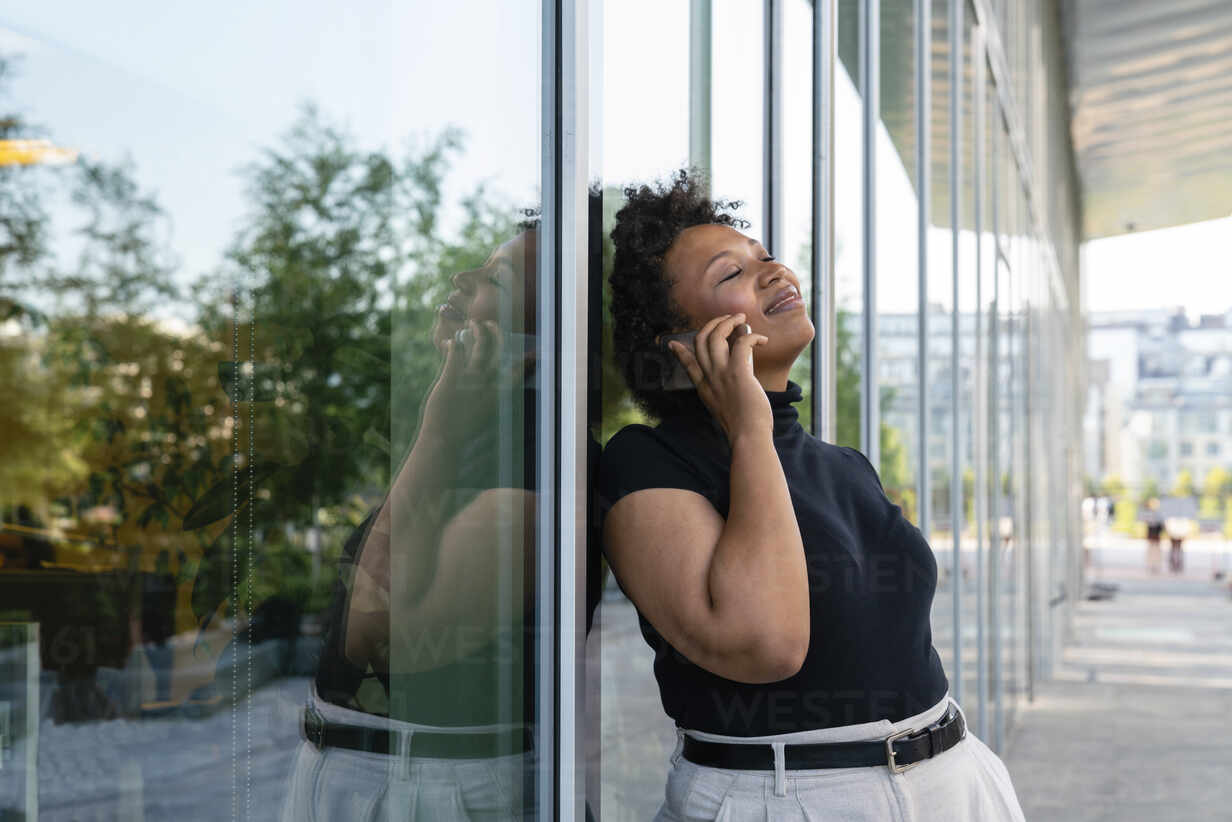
[872,577]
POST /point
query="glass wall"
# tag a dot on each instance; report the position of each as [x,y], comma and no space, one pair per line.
[270,339]
[967,408]
[848,198]
[296,314]
[896,206]
[794,180]
[942,413]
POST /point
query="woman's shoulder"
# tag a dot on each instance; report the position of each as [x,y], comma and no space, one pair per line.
[670,434]
[638,444]
[640,456]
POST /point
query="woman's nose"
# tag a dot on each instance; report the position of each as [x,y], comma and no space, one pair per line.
[462,280]
[773,272]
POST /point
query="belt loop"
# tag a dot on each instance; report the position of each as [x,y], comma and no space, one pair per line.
[404,753]
[958,710]
[780,768]
[679,745]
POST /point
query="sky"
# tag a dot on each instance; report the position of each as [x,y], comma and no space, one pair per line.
[192,101]
[1186,266]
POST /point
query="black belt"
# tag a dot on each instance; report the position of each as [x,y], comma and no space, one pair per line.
[899,751]
[462,745]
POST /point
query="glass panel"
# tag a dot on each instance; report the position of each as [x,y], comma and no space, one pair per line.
[796,226]
[984,416]
[968,365]
[738,100]
[941,409]
[247,492]
[897,259]
[1002,517]
[636,92]
[636,738]
[848,225]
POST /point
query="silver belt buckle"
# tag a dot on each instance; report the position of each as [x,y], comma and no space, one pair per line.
[889,743]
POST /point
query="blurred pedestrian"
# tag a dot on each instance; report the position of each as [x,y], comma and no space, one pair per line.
[1154,533]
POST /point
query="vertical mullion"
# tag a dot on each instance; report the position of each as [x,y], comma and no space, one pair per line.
[956,35]
[700,50]
[1027,463]
[980,426]
[570,392]
[546,579]
[994,440]
[772,152]
[870,75]
[923,87]
[822,364]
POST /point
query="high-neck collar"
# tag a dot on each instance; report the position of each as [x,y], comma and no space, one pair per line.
[785,415]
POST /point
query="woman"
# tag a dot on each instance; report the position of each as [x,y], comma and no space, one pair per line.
[786,597]
[423,703]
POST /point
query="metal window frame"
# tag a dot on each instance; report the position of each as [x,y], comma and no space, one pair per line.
[980,409]
[701,45]
[561,424]
[1000,70]
[994,448]
[923,112]
[823,371]
[772,124]
[549,595]
[870,90]
[956,33]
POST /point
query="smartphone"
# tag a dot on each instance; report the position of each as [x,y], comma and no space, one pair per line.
[660,369]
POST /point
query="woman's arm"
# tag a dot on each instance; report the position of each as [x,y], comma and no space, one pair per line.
[477,592]
[732,596]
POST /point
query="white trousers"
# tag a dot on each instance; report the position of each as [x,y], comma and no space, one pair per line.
[342,785]
[967,783]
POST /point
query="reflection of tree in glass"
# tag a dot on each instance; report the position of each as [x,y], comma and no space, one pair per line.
[340,265]
[123,430]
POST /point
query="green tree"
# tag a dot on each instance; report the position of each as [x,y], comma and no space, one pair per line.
[24,220]
[1125,517]
[968,485]
[846,382]
[1184,486]
[1217,482]
[334,282]
[1113,486]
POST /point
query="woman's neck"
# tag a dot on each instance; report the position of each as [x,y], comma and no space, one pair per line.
[773,378]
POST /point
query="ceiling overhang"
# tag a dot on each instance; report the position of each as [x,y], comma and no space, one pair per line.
[1151,105]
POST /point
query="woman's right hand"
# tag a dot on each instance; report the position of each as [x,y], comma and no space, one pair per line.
[464,397]
[724,377]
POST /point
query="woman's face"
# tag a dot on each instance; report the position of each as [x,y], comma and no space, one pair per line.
[500,290]
[717,270]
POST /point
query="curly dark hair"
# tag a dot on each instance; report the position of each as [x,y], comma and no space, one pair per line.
[642,307]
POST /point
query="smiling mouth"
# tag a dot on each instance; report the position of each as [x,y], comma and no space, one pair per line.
[450,309]
[788,304]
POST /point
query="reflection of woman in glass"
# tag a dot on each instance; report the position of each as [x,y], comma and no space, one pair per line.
[422,706]
[786,597]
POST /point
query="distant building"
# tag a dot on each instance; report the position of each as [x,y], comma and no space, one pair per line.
[1160,395]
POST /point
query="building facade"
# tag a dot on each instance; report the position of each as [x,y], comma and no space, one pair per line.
[1159,397]
[307,324]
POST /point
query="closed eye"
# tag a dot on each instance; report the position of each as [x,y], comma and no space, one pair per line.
[769,258]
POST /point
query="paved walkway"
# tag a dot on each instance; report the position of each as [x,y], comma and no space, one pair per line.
[1137,722]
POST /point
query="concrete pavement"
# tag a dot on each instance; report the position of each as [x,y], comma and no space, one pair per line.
[1136,723]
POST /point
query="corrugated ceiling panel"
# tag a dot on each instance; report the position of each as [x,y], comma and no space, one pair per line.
[1151,97]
